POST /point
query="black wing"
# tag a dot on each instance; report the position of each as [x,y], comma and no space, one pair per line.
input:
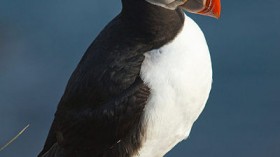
[99,113]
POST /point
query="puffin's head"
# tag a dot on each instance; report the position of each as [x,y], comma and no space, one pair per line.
[204,7]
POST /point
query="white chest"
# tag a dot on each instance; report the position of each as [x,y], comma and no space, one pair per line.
[179,75]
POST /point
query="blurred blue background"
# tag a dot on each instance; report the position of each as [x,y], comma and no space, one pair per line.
[41,43]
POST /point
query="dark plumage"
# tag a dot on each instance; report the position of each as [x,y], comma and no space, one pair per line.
[100,112]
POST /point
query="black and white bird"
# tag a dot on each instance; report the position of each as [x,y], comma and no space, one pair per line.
[140,85]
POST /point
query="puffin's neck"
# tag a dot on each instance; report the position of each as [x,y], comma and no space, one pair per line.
[155,22]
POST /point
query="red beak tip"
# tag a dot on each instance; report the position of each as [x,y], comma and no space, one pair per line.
[213,9]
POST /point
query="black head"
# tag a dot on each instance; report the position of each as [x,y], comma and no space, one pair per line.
[204,7]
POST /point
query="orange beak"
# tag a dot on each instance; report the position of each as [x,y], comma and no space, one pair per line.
[204,7]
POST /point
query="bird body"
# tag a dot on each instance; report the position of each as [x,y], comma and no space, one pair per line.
[139,87]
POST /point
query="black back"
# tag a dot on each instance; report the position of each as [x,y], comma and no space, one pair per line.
[100,111]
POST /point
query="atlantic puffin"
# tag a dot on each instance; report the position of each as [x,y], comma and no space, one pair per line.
[139,87]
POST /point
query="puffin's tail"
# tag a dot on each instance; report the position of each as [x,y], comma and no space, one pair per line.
[54,151]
